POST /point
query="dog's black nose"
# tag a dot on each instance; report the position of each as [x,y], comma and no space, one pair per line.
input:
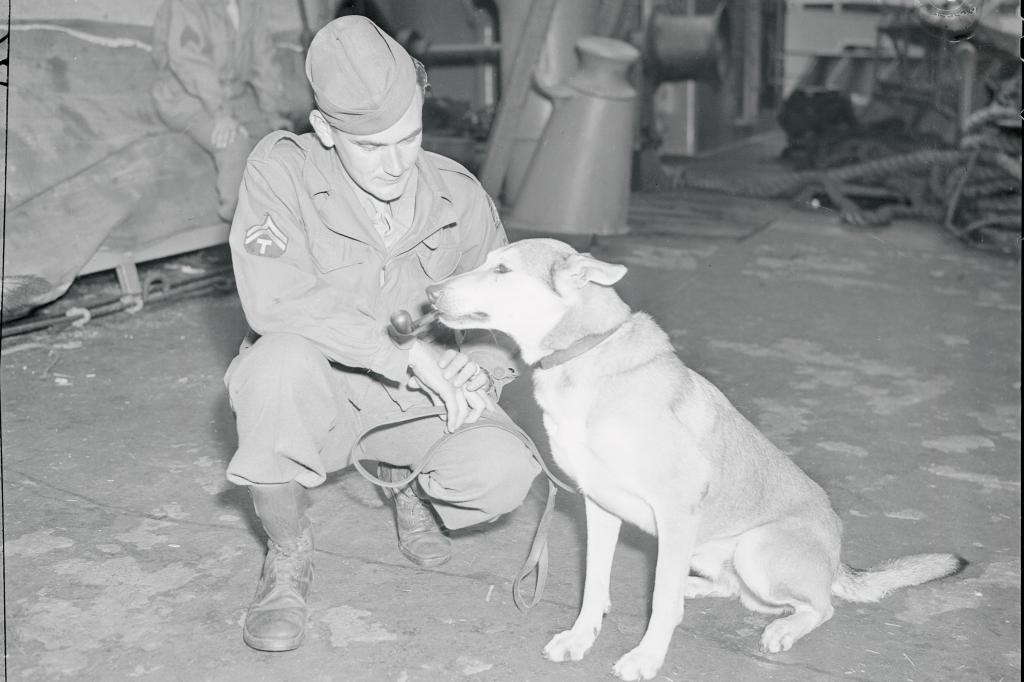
[434,293]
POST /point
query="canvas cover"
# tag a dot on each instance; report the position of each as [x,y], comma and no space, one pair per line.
[88,159]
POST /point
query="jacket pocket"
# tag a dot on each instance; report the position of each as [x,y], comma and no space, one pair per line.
[332,251]
[439,253]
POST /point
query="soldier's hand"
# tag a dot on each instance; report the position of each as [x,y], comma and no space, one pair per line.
[462,371]
[225,130]
[424,363]
[478,402]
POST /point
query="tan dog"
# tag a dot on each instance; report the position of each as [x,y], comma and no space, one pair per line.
[652,442]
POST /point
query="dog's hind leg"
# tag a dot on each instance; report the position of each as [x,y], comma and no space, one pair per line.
[786,568]
[602,535]
[711,571]
[677,534]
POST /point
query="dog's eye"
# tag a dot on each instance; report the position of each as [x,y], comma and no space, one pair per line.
[501,269]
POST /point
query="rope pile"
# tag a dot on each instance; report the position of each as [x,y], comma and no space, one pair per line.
[972,190]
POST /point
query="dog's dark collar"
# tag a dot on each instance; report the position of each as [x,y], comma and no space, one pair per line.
[575,350]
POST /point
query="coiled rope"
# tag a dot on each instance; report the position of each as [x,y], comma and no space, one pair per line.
[973,191]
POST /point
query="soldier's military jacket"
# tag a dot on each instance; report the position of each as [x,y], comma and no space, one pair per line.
[309,261]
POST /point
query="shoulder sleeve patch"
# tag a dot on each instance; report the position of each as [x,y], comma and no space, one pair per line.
[265,239]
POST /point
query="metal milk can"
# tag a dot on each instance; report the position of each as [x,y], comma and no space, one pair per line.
[579,178]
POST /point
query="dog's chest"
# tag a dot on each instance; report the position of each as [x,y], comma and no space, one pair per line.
[568,405]
[565,403]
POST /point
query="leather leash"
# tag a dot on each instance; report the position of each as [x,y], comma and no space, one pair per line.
[537,558]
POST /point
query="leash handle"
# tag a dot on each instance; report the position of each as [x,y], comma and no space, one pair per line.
[423,413]
[431,411]
[537,559]
[411,415]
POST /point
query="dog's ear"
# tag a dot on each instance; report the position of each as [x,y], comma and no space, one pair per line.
[579,269]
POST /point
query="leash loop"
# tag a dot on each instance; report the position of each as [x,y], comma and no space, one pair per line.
[537,559]
[410,416]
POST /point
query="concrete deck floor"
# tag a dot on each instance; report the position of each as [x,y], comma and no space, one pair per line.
[887,362]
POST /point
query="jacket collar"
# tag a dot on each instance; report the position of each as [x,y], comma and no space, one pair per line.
[341,211]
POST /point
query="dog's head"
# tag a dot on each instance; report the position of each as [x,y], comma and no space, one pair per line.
[524,290]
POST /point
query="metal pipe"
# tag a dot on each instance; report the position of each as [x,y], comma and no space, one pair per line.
[966,56]
[436,54]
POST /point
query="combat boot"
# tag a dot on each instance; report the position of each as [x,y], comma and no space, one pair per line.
[420,537]
[276,620]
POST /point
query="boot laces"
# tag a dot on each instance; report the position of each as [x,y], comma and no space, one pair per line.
[290,563]
[414,510]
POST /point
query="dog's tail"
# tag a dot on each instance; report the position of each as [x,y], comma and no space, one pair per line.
[859,585]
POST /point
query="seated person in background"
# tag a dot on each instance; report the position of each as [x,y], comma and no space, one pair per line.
[335,230]
[217,81]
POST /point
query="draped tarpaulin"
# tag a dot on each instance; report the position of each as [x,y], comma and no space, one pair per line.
[89,163]
[87,156]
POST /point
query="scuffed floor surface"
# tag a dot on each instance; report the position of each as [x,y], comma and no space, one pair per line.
[886,362]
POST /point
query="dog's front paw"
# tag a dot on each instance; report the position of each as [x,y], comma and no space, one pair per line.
[638,665]
[571,645]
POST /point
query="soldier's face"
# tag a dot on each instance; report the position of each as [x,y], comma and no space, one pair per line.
[381,164]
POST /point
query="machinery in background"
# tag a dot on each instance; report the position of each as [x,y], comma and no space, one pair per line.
[936,82]
[553,116]
[536,95]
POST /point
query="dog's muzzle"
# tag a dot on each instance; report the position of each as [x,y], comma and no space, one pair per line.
[434,293]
